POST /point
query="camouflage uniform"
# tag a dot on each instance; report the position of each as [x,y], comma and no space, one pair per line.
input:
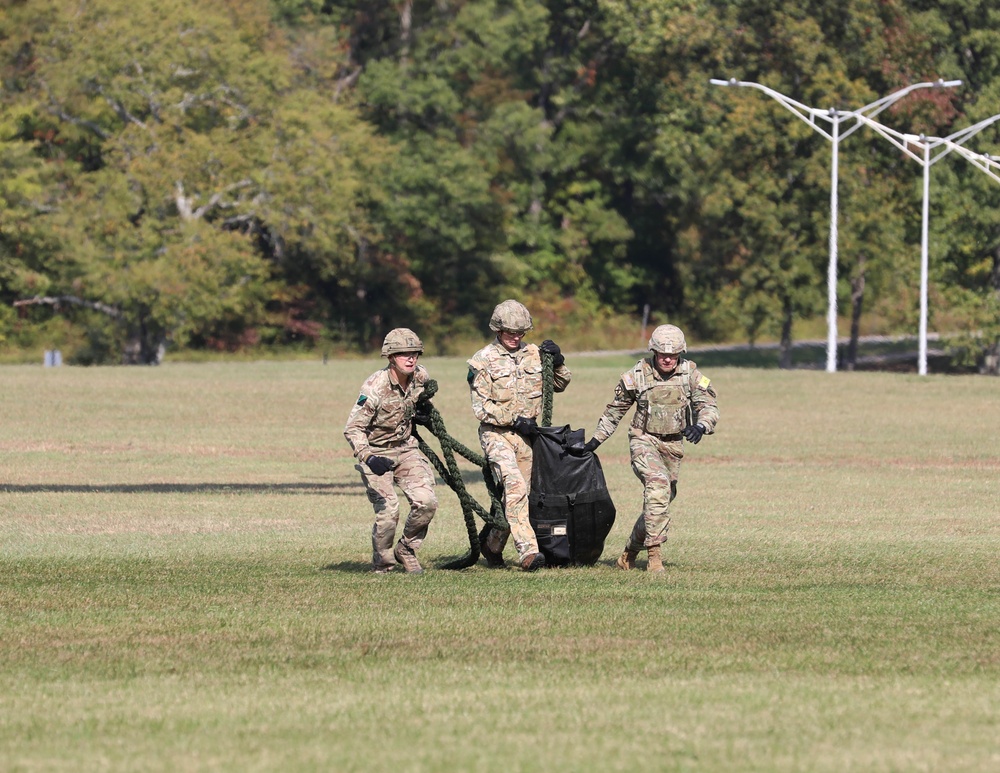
[381,424]
[665,405]
[506,386]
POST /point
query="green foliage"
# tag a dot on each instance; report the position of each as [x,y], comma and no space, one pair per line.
[354,166]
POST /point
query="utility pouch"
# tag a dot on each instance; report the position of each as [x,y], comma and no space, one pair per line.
[665,413]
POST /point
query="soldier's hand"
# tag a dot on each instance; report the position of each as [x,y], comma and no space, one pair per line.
[422,413]
[693,433]
[380,465]
[581,448]
[548,346]
[525,427]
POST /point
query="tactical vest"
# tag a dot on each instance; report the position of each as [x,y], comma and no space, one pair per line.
[663,406]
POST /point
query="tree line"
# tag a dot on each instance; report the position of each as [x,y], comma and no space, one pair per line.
[311,173]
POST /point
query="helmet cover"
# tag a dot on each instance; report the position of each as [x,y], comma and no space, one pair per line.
[667,339]
[401,339]
[511,315]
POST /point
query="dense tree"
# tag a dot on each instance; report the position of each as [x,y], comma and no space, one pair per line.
[192,171]
[287,171]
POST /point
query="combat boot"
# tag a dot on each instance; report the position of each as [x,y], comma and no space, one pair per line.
[655,563]
[626,560]
[533,562]
[407,559]
[494,560]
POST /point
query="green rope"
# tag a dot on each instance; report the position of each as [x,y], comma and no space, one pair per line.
[449,472]
[548,387]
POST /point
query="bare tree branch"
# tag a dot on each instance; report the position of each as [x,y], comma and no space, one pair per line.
[119,108]
[58,300]
[184,208]
[346,82]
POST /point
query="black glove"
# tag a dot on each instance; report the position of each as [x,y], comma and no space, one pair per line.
[693,433]
[380,465]
[548,346]
[581,448]
[422,413]
[525,427]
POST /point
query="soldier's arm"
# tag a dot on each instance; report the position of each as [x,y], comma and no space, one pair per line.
[703,401]
[561,377]
[359,424]
[487,410]
[614,412]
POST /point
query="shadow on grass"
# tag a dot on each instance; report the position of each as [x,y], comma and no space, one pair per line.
[353,567]
[182,488]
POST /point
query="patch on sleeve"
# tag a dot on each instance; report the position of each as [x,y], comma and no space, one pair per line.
[472,376]
[361,399]
[704,381]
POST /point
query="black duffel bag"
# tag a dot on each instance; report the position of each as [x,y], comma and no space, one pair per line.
[569,508]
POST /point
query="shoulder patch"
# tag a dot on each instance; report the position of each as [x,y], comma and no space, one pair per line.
[362,399]
[704,381]
[472,376]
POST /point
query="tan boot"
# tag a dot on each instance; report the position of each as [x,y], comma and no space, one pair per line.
[408,559]
[655,563]
[626,560]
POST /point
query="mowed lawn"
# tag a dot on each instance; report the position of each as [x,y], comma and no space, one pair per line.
[185,585]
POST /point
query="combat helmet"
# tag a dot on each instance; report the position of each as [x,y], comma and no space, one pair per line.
[667,339]
[401,339]
[510,315]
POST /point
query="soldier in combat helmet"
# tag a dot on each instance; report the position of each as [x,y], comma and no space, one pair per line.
[380,430]
[674,401]
[505,382]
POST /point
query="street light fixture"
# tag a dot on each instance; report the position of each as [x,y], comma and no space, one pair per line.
[834,117]
[928,145]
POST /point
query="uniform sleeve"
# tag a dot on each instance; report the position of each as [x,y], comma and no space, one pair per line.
[485,409]
[561,377]
[615,411]
[703,401]
[359,424]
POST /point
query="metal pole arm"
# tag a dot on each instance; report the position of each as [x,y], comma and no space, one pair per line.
[803,112]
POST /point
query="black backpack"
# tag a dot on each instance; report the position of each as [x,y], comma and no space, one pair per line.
[569,507]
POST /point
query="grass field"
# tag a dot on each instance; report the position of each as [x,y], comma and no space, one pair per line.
[185,585]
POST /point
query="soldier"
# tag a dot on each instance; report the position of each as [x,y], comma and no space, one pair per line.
[673,400]
[380,430]
[505,381]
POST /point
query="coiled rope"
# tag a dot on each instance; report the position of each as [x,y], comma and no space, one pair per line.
[449,472]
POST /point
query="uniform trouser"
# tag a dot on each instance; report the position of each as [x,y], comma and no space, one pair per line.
[656,463]
[415,477]
[509,456]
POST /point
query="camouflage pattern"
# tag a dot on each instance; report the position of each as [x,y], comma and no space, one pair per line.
[401,339]
[668,339]
[511,315]
[665,405]
[415,477]
[504,386]
[381,424]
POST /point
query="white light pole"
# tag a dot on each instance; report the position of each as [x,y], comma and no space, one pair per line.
[810,115]
[927,145]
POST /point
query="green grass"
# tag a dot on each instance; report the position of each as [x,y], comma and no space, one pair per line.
[185,550]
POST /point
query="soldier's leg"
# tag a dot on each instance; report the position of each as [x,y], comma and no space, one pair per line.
[415,476]
[495,537]
[656,463]
[507,453]
[386,505]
